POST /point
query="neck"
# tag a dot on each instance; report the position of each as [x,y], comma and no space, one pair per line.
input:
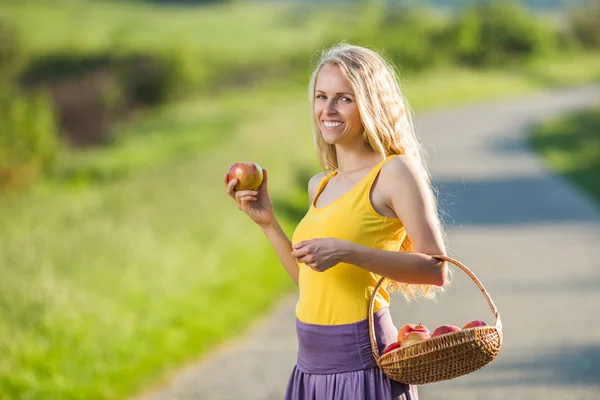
[354,158]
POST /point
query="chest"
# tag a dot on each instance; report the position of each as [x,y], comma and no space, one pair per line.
[339,187]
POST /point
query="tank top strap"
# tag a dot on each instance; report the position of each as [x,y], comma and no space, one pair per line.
[322,185]
[362,188]
[367,181]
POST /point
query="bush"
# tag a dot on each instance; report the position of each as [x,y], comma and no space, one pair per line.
[412,39]
[28,137]
[154,79]
[585,26]
[496,33]
[12,56]
[410,36]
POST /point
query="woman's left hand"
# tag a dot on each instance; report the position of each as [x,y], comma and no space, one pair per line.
[320,254]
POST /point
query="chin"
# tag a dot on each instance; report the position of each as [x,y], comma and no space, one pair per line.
[330,139]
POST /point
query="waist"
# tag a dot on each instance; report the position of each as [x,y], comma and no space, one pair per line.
[330,349]
[337,296]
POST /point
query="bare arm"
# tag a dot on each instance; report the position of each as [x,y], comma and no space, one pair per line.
[409,196]
[283,248]
[257,205]
[415,268]
[281,243]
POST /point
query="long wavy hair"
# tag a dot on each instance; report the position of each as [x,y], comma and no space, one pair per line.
[387,122]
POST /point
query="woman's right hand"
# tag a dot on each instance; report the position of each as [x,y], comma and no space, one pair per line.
[255,203]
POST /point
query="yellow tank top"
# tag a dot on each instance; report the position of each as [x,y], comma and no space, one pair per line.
[341,294]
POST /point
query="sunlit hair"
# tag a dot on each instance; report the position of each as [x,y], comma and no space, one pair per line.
[386,118]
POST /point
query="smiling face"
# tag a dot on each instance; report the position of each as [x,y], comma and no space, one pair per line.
[335,108]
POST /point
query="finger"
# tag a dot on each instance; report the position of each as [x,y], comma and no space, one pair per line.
[306,259]
[315,266]
[247,199]
[310,264]
[243,193]
[299,253]
[230,187]
[265,179]
[302,244]
[299,245]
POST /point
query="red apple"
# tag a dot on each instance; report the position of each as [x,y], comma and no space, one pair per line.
[249,175]
[444,329]
[411,328]
[393,346]
[474,323]
[413,337]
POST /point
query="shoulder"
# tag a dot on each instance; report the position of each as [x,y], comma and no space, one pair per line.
[313,185]
[403,179]
[401,169]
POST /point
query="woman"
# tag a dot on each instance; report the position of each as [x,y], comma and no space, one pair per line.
[372,214]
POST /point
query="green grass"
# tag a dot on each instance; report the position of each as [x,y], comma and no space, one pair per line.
[571,146]
[100,26]
[450,85]
[94,26]
[104,289]
[565,69]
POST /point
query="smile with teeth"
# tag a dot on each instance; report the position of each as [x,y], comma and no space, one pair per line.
[332,124]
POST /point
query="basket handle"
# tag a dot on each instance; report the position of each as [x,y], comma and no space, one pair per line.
[471,275]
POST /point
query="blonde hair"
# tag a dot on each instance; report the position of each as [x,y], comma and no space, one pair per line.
[387,122]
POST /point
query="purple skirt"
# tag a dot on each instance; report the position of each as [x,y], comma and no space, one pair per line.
[335,362]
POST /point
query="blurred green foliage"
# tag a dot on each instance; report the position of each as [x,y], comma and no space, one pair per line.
[12,56]
[571,146]
[585,25]
[156,52]
[28,137]
[160,51]
[28,131]
[499,34]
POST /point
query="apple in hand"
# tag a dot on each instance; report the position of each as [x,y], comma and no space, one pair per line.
[413,337]
[393,346]
[249,175]
[474,323]
[411,328]
[444,329]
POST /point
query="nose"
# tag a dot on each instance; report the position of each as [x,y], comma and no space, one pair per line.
[330,107]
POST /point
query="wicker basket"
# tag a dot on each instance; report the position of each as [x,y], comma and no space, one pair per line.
[442,357]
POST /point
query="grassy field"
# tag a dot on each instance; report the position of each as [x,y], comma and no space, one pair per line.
[99,26]
[571,146]
[130,260]
[106,287]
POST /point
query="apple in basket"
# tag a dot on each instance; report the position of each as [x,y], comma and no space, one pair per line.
[474,324]
[411,328]
[393,346]
[249,175]
[413,337]
[444,329]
